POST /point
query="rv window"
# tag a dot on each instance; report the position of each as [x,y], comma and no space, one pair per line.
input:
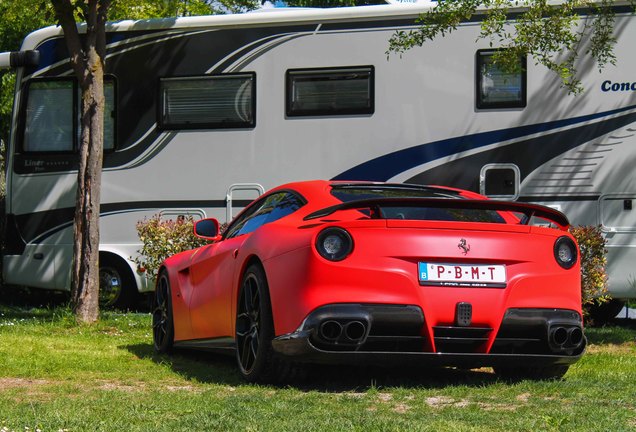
[52,118]
[208,102]
[49,117]
[109,115]
[500,181]
[335,91]
[496,88]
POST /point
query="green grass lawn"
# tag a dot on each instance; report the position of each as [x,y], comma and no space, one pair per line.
[57,376]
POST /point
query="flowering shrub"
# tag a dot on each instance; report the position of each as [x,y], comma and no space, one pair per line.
[593,261]
[163,238]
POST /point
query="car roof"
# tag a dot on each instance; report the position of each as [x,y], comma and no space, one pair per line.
[322,185]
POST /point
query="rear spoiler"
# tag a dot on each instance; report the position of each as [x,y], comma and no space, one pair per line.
[528,210]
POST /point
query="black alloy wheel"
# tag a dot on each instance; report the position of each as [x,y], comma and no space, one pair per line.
[254,327]
[162,322]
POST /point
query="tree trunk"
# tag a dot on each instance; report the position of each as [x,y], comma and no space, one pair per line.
[85,276]
[87,59]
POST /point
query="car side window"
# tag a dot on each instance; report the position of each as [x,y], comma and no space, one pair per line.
[269,209]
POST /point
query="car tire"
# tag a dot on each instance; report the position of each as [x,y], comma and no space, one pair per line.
[117,288]
[162,318]
[536,373]
[255,356]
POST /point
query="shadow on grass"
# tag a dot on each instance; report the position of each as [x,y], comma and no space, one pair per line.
[27,312]
[202,366]
[361,378]
[619,331]
[215,368]
[28,298]
[20,297]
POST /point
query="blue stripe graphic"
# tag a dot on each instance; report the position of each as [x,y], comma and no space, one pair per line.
[387,166]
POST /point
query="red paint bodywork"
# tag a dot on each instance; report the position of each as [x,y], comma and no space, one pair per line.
[382,269]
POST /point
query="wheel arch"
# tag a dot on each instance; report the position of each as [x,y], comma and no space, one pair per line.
[140,279]
[124,293]
[249,261]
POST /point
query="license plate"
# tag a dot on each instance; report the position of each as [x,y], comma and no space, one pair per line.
[462,275]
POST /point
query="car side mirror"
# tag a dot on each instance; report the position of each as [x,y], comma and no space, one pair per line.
[207,229]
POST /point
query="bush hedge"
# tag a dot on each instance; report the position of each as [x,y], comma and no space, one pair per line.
[163,238]
[593,263]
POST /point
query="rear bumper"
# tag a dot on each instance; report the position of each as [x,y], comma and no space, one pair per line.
[301,349]
[396,335]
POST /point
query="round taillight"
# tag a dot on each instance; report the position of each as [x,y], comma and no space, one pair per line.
[334,244]
[565,252]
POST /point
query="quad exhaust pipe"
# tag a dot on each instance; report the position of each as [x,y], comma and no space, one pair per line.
[565,337]
[347,332]
[330,330]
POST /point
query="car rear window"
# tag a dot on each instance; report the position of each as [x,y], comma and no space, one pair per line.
[347,193]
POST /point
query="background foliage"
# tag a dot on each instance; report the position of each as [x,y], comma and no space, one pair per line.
[593,261]
[553,35]
[332,3]
[163,238]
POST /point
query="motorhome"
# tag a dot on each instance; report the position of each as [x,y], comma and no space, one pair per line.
[203,113]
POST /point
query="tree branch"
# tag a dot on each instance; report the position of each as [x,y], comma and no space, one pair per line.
[64,12]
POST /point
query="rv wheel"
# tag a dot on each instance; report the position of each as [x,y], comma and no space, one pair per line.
[116,285]
[605,312]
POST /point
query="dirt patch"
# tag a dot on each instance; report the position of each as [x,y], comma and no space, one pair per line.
[27,389]
[119,386]
[624,348]
[385,397]
[11,383]
[141,386]
[401,408]
[354,395]
[496,407]
[445,401]
[439,401]
[183,388]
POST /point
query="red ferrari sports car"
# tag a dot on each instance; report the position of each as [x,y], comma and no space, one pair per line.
[336,272]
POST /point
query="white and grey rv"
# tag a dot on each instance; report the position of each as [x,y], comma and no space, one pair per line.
[204,111]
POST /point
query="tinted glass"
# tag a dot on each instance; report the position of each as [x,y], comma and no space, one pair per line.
[341,91]
[109,115]
[49,122]
[497,88]
[49,117]
[219,101]
[417,212]
[500,182]
[440,214]
[358,192]
[266,210]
